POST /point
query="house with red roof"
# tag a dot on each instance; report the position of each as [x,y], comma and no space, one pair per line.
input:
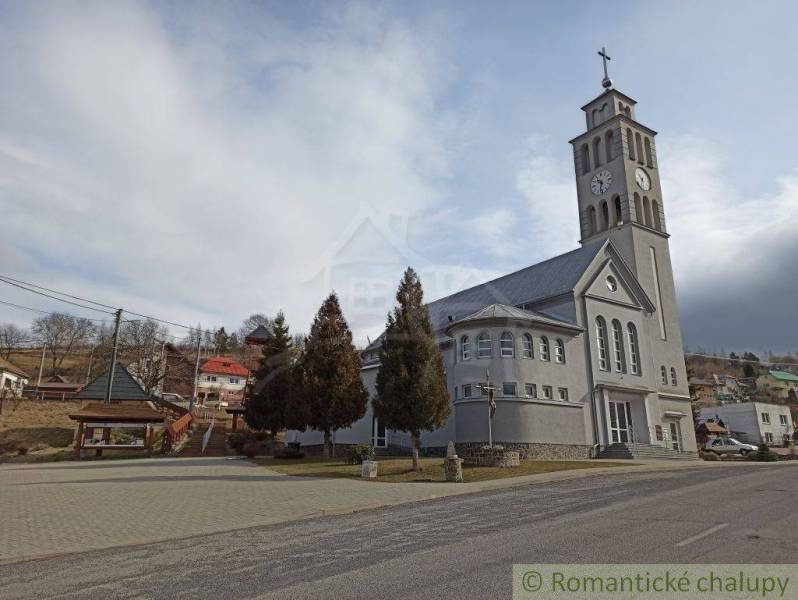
[222,379]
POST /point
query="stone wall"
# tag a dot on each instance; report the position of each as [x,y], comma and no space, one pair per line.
[528,450]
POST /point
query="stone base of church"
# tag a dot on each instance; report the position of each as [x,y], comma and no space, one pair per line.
[469,450]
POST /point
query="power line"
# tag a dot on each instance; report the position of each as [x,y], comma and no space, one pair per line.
[27,289]
[19,281]
[44,312]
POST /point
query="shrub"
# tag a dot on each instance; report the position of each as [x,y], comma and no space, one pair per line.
[763,454]
[289,453]
[22,450]
[262,436]
[250,449]
[236,441]
[710,456]
[356,454]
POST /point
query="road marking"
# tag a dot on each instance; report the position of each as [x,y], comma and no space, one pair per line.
[701,535]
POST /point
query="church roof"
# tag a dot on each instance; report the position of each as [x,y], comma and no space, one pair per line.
[558,275]
[552,277]
[124,387]
[503,311]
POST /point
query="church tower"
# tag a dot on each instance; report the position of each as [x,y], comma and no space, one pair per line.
[620,198]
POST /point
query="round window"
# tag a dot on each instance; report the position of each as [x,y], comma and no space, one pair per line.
[612,284]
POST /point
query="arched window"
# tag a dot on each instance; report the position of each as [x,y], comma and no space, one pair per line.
[596,152]
[585,159]
[603,112]
[674,381]
[526,351]
[638,208]
[545,352]
[591,215]
[605,215]
[630,143]
[649,159]
[617,347]
[634,350]
[639,146]
[506,345]
[595,116]
[657,217]
[608,141]
[465,347]
[618,211]
[484,348]
[646,211]
[559,352]
[664,375]
[601,343]
[628,111]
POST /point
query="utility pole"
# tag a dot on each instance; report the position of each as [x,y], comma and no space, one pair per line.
[91,361]
[41,365]
[110,387]
[196,374]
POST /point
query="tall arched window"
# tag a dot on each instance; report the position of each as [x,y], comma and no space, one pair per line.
[674,381]
[465,347]
[663,375]
[545,351]
[585,159]
[634,349]
[559,352]
[506,345]
[595,116]
[605,215]
[484,348]
[617,347]
[639,148]
[608,142]
[627,111]
[630,143]
[591,215]
[646,211]
[526,351]
[601,343]
[657,217]
[618,211]
[596,152]
[649,159]
[638,208]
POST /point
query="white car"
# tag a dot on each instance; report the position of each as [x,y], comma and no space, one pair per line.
[728,445]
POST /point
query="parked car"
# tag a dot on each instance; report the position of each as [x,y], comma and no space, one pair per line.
[729,445]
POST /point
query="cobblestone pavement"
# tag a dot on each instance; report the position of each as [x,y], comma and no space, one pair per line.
[59,508]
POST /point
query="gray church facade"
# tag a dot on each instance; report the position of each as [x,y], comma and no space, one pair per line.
[584,349]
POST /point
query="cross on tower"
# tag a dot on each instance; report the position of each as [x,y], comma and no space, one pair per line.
[606,82]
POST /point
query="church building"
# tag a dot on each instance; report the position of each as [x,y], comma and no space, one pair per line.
[584,349]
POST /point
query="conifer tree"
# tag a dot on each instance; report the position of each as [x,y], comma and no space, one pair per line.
[334,395]
[411,384]
[268,407]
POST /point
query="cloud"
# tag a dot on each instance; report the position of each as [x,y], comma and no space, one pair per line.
[193,171]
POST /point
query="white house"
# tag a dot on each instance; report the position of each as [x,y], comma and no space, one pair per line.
[12,379]
[222,379]
[754,422]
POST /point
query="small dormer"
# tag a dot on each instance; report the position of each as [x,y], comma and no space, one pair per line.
[610,103]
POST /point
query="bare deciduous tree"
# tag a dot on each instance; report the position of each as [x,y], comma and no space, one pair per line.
[63,334]
[11,337]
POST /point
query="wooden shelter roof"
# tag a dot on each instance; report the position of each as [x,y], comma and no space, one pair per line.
[122,413]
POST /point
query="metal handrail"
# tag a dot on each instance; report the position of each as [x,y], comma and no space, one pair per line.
[207,435]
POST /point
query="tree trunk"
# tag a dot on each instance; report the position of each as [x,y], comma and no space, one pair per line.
[327,444]
[414,443]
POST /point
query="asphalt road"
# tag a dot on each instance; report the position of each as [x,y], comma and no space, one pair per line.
[458,547]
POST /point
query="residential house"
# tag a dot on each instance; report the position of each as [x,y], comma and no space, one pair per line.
[12,379]
[781,385]
[754,422]
[222,379]
[55,388]
[703,391]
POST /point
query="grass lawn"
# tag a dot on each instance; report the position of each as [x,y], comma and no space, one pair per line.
[43,428]
[398,469]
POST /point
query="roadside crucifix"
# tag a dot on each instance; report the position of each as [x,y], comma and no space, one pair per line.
[490,391]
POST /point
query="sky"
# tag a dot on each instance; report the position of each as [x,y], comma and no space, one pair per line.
[203,161]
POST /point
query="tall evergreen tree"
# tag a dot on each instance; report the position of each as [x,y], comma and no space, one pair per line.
[411,384]
[334,395]
[268,406]
[221,341]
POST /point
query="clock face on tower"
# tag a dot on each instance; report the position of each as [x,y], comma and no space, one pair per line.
[601,182]
[642,179]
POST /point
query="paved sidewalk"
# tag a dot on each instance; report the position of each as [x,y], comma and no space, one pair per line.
[60,508]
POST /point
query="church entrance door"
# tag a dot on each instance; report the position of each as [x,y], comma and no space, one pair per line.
[621,422]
